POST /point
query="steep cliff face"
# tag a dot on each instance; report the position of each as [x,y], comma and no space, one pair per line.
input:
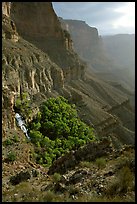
[31,21]
[25,68]
[31,65]
[6,6]
[81,32]
[8,26]
[109,56]
[87,43]
[37,23]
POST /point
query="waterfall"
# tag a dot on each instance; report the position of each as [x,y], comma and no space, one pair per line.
[21,124]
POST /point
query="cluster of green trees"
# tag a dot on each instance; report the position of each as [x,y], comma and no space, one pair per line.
[57,129]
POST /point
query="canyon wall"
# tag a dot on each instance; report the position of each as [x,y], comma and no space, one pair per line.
[38,24]
[112,58]
[38,61]
[87,43]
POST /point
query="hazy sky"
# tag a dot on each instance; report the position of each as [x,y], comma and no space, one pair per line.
[107,17]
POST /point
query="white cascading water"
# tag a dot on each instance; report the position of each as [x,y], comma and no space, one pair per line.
[21,124]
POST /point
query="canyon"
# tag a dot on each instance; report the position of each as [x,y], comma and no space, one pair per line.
[31,65]
[39,57]
[112,57]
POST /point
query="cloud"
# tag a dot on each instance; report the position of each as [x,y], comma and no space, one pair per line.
[107,17]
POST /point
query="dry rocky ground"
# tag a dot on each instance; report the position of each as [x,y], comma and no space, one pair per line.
[103,178]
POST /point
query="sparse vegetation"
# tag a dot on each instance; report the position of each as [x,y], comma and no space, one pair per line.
[8,142]
[123,182]
[86,164]
[100,162]
[125,177]
[49,197]
[23,104]
[15,138]
[11,156]
[11,140]
[56,177]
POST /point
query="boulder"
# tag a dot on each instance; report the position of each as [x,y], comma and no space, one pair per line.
[18,178]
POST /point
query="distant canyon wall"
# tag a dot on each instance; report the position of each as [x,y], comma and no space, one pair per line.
[87,43]
[112,58]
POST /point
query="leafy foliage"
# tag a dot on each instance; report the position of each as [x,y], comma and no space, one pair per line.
[57,129]
[11,140]
[56,177]
[15,138]
[8,142]
[101,162]
[11,156]
[23,104]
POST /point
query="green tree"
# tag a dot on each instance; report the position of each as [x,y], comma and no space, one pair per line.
[35,136]
[57,129]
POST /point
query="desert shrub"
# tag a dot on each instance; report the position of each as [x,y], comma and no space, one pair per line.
[15,138]
[56,177]
[86,164]
[124,181]
[57,129]
[112,189]
[100,162]
[73,190]
[125,161]
[22,176]
[8,142]
[11,156]
[49,197]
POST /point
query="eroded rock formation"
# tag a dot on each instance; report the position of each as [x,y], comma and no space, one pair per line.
[89,152]
[38,24]
[6,6]
[87,43]
[41,64]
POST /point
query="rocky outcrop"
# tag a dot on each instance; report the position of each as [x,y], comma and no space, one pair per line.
[6,6]
[27,69]
[88,152]
[9,29]
[22,176]
[81,32]
[8,26]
